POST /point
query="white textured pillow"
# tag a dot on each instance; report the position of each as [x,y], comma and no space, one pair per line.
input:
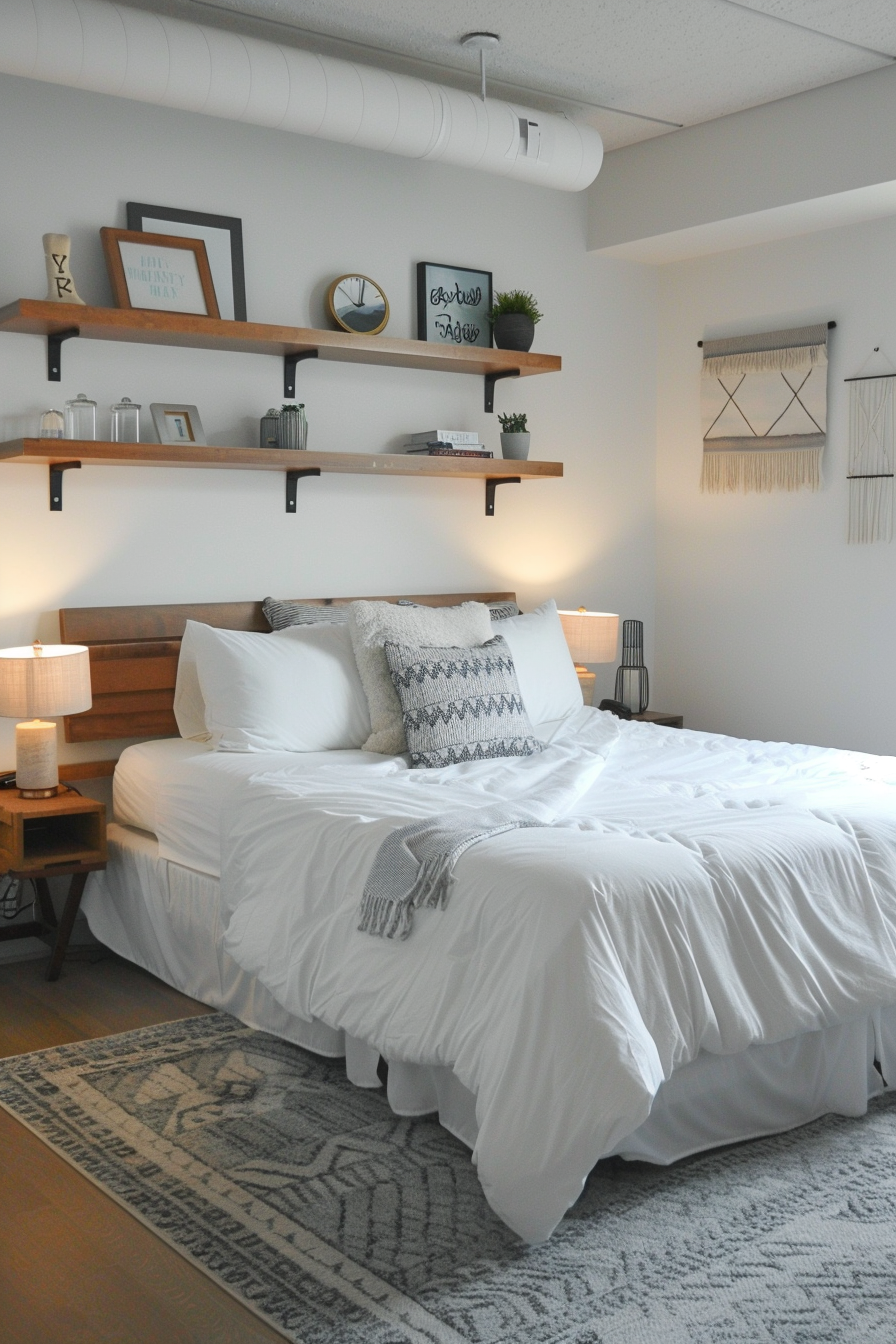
[294,690]
[544,667]
[372,623]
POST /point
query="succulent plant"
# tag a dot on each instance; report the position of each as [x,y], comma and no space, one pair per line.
[513,424]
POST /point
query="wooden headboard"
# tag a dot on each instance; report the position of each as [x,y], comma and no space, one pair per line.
[134,652]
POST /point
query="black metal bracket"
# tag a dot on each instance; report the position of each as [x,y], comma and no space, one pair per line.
[289,370]
[490,484]
[292,481]
[56,470]
[54,351]
[490,380]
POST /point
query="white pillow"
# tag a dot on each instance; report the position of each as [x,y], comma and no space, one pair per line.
[189,706]
[372,623]
[544,666]
[294,690]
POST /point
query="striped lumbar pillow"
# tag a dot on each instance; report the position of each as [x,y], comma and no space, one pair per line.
[460,704]
[281,614]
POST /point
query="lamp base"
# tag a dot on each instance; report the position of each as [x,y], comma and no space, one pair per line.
[42,793]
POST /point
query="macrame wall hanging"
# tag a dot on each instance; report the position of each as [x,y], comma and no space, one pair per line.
[872,439]
[764,408]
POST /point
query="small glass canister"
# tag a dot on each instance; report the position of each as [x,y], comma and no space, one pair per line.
[292,427]
[52,425]
[268,436]
[125,421]
[80,418]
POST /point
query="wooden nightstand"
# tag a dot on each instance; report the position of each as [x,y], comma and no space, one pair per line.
[665,720]
[51,837]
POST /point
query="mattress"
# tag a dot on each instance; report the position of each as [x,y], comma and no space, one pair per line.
[176,790]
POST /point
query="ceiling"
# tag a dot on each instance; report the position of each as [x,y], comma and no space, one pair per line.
[672,62]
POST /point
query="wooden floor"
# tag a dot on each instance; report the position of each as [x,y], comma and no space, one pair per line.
[75,1268]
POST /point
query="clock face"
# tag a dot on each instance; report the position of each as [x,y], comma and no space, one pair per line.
[358,304]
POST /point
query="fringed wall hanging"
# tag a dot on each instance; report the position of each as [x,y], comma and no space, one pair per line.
[764,405]
[872,439]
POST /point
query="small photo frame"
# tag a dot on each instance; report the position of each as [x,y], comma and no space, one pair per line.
[223,238]
[157,272]
[453,304]
[177,424]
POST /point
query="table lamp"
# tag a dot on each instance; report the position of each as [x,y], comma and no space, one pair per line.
[592,637]
[50,679]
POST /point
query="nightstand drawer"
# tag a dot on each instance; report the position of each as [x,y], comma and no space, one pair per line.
[40,834]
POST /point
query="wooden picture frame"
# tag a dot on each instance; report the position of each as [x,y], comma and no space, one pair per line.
[177,423]
[453,303]
[159,273]
[223,238]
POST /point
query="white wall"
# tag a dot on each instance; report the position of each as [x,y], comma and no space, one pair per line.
[311,210]
[769,624]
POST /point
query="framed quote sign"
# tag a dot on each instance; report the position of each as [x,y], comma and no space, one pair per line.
[453,303]
[223,238]
[152,270]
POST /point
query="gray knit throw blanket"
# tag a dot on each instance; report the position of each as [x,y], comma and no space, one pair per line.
[414,866]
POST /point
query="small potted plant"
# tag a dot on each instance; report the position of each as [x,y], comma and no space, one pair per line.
[513,316]
[514,437]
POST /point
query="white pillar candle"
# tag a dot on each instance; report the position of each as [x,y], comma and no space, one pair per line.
[36,766]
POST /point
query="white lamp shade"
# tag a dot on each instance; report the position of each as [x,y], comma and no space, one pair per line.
[50,679]
[591,635]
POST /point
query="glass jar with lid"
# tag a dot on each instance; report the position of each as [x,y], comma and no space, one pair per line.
[52,425]
[80,418]
[125,421]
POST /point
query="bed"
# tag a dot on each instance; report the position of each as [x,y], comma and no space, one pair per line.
[703,952]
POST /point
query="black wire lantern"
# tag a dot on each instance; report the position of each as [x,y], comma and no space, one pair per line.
[632,682]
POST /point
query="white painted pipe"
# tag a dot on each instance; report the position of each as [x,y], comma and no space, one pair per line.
[93,44]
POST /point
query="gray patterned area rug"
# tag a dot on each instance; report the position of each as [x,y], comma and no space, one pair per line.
[337,1221]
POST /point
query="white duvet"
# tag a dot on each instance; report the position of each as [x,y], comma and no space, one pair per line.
[703,893]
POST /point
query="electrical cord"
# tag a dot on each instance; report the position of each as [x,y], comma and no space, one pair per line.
[11,892]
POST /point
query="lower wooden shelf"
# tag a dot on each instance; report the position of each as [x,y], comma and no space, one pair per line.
[62,454]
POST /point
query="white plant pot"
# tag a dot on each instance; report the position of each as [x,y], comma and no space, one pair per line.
[515,446]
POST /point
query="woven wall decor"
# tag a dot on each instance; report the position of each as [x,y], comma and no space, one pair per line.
[764,410]
[872,440]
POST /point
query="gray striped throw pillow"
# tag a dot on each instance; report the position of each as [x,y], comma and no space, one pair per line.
[460,704]
[282,613]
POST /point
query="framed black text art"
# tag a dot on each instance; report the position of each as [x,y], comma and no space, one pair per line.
[453,304]
[223,238]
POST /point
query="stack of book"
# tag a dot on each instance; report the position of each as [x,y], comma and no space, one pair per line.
[447,443]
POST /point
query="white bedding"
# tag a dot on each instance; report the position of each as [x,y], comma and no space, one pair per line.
[176,790]
[727,893]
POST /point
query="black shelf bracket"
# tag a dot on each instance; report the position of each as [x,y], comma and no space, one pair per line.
[490,485]
[292,481]
[490,380]
[289,370]
[54,352]
[56,470]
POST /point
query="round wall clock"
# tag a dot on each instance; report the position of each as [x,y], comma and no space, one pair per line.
[357,303]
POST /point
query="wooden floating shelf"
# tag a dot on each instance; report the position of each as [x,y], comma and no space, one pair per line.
[59,454]
[37,317]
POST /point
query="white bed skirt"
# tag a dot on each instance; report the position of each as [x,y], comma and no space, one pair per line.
[166,918]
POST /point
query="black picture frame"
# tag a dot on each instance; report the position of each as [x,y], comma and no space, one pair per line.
[144,218]
[453,304]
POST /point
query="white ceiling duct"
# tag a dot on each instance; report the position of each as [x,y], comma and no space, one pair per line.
[92,44]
